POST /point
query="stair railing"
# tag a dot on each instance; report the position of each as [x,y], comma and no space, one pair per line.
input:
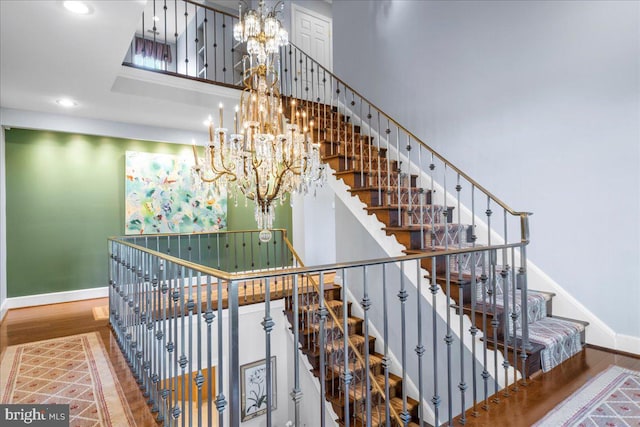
[424,196]
[166,292]
[362,361]
[177,320]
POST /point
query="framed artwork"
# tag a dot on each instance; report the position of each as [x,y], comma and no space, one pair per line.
[163,196]
[253,388]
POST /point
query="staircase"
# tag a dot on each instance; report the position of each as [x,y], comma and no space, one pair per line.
[361,355]
[396,201]
[411,215]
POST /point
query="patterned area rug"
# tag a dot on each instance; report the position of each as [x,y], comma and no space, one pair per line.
[612,398]
[72,370]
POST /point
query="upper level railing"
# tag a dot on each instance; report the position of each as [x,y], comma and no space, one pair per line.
[187,39]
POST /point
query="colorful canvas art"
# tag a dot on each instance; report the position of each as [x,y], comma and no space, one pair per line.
[163,196]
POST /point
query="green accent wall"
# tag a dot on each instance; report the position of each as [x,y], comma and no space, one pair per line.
[65,197]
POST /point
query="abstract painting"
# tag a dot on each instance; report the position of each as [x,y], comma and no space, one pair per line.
[163,196]
[253,384]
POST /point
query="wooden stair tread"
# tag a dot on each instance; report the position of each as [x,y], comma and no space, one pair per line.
[332,346]
[394,380]
[383,190]
[417,228]
[357,156]
[314,328]
[404,207]
[534,348]
[356,340]
[328,304]
[375,360]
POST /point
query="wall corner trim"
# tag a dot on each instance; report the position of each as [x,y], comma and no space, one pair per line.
[3,310]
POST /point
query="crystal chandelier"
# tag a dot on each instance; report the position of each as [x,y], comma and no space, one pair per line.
[266,156]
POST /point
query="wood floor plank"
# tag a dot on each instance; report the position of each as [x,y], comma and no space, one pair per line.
[527,405]
[58,320]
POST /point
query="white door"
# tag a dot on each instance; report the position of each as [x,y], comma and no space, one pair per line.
[311,32]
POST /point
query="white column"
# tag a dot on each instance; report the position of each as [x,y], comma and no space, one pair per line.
[314,226]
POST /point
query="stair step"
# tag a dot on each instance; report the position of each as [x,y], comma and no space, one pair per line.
[334,152]
[307,292]
[355,179]
[339,162]
[354,325]
[395,384]
[552,341]
[383,196]
[334,353]
[561,338]
[357,340]
[356,368]
[401,215]
[431,234]
[342,133]
[533,353]
[333,305]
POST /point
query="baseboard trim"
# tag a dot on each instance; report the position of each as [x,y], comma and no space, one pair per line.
[628,344]
[55,298]
[612,351]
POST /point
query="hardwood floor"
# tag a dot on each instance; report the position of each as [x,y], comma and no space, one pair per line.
[521,408]
[544,392]
[52,321]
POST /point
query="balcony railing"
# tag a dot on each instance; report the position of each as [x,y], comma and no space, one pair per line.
[187,39]
[178,317]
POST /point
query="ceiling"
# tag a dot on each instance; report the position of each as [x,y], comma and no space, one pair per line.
[47,53]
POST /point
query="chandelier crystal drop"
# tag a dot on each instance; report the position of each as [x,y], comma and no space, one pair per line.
[266,156]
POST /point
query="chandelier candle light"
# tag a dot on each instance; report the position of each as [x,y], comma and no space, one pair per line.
[266,156]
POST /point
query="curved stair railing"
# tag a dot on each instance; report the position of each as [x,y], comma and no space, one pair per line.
[359,360]
[429,204]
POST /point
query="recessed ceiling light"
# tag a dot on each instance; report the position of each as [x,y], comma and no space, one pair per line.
[78,7]
[66,102]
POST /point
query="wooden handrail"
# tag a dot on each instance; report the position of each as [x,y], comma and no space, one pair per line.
[418,140]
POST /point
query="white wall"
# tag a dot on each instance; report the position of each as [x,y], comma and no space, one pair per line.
[539,102]
[314,226]
[253,347]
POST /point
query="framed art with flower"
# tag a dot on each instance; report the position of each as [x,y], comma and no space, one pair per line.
[253,388]
[162,196]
